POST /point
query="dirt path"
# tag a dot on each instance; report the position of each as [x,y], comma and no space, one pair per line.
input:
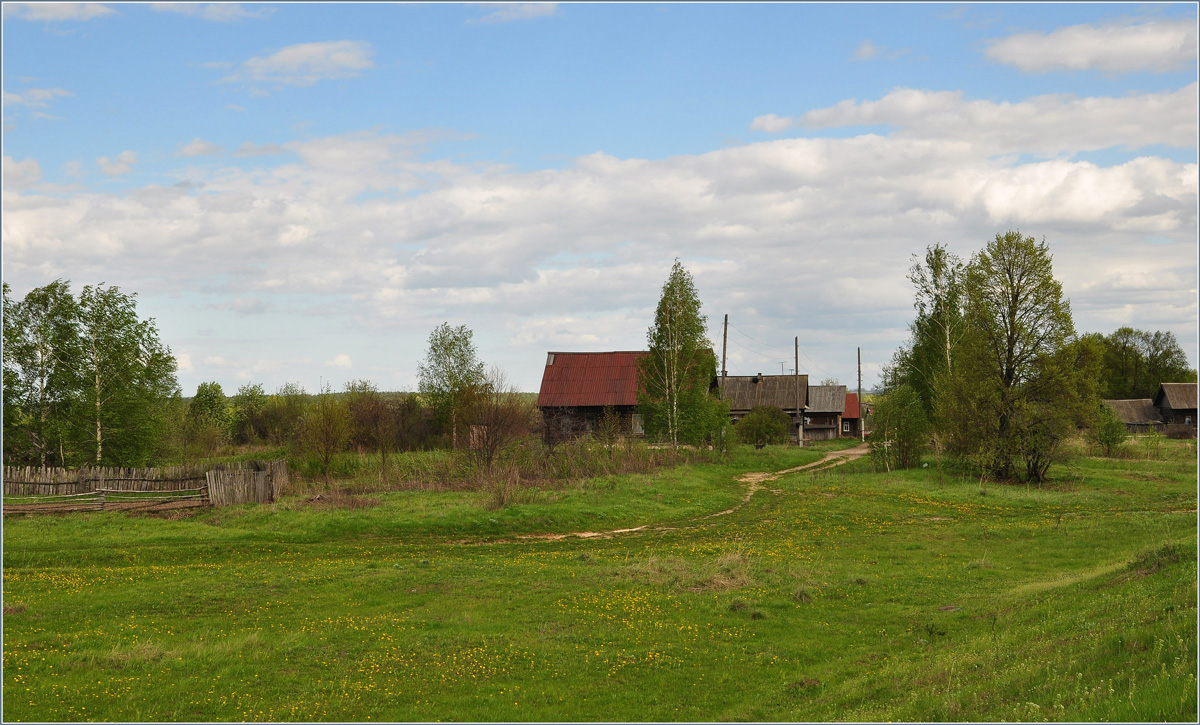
[755,481]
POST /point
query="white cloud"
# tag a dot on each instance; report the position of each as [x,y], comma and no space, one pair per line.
[508,12]
[217,12]
[235,107]
[1158,46]
[249,306]
[869,51]
[183,362]
[387,244]
[1042,124]
[34,97]
[199,147]
[20,174]
[54,12]
[252,149]
[307,63]
[771,123]
[341,360]
[123,164]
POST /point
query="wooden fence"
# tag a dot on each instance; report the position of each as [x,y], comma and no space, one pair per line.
[87,489]
[108,500]
[243,486]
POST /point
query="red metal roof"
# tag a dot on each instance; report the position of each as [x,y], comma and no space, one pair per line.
[851,409]
[589,378]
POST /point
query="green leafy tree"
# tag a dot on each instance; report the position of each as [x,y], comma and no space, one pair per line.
[127,377]
[1022,380]
[1137,361]
[209,405]
[938,327]
[449,376]
[900,428]
[247,414]
[208,418]
[675,378]
[1109,431]
[283,415]
[13,429]
[42,362]
[765,425]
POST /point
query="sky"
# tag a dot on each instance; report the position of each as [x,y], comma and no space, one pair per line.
[303,192]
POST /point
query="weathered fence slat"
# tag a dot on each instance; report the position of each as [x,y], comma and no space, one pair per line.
[223,485]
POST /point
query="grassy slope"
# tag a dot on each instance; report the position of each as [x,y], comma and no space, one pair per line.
[837,595]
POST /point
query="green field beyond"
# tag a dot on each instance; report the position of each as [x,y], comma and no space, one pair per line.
[828,594]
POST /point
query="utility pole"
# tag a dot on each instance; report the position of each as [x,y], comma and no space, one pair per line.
[799,407]
[724,344]
[862,421]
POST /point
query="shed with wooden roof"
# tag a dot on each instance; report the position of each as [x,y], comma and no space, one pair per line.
[577,386]
[823,415]
[1138,414]
[744,393]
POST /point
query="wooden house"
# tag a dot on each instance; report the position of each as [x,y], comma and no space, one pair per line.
[744,393]
[823,413]
[577,386]
[851,417]
[1138,414]
[1176,403]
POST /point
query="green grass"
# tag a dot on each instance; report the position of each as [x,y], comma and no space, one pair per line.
[836,595]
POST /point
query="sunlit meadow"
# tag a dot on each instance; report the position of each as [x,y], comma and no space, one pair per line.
[830,594]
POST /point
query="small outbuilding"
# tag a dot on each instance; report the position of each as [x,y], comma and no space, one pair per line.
[823,415]
[851,417]
[1138,414]
[577,386]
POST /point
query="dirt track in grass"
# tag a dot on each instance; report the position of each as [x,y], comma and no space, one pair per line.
[754,482]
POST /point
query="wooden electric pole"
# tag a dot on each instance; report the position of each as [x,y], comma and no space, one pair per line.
[724,344]
[799,406]
[862,422]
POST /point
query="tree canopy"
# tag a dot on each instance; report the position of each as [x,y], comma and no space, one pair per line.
[85,380]
[449,375]
[675,379]
[1137,361]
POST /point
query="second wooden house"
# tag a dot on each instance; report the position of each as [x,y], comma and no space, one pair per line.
[744,393]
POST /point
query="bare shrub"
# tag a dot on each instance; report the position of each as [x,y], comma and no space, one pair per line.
[500,416]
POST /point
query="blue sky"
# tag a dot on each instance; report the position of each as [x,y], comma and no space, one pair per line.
[301,192]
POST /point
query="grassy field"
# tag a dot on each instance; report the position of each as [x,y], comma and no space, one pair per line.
[828,594]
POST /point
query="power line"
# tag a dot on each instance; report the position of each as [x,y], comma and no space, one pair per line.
[806,357]
[760,342]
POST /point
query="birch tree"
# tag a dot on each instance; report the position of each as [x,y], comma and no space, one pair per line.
[126,374]
[674,379]
[42,355]
[449,376]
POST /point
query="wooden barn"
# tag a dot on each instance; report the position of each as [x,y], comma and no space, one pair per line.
[576,387]
[1176,403]
[1138,414]
[744,393]
[823,415]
